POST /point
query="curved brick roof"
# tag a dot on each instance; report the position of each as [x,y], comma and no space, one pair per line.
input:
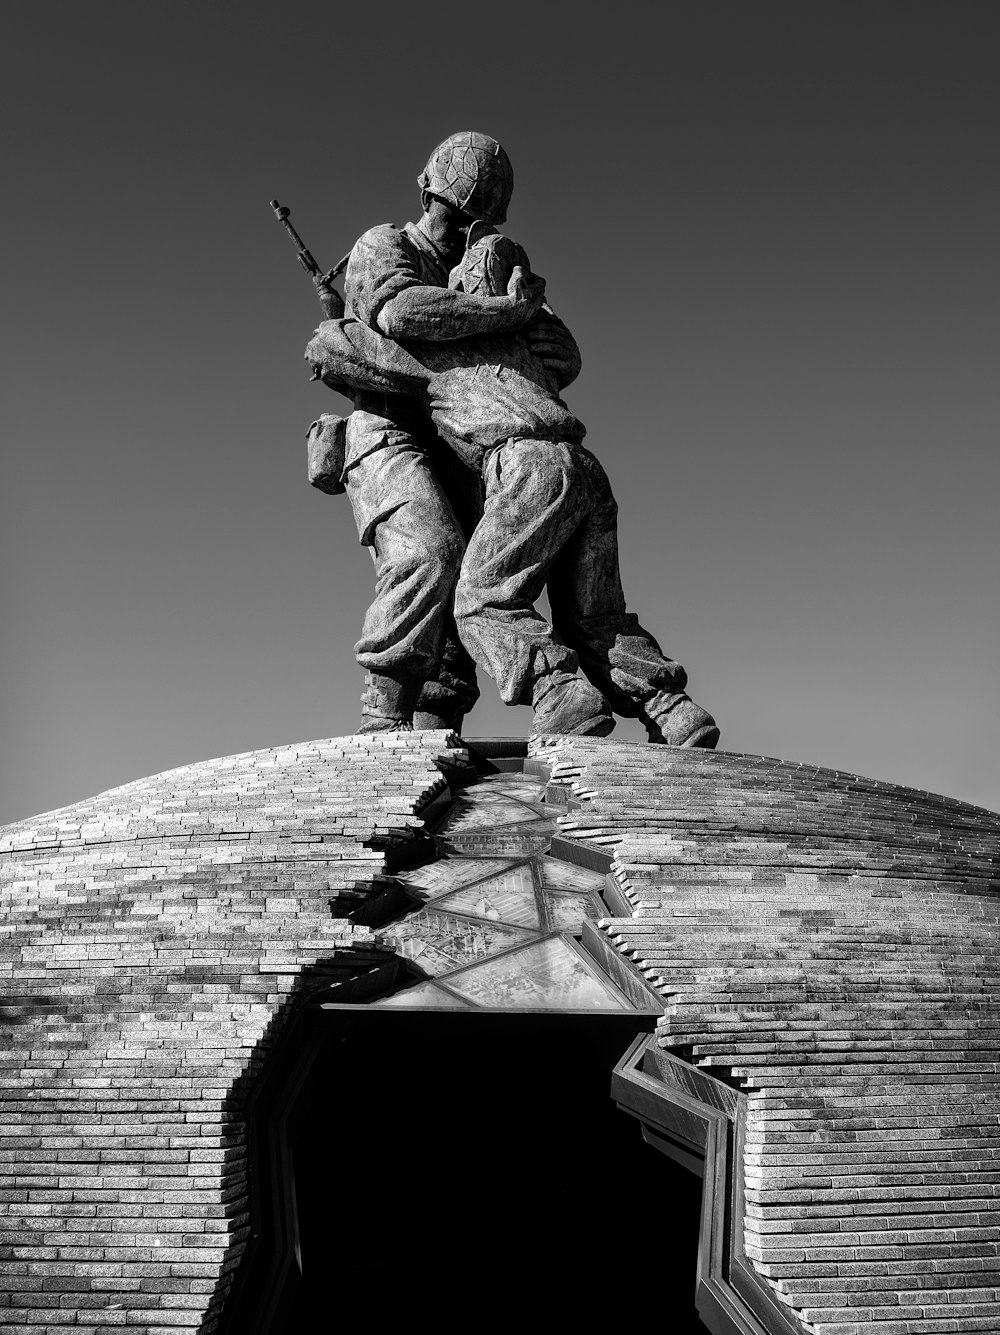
[830,943]
[824,942]
[152,938]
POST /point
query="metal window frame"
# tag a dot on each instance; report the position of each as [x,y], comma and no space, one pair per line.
[700,1122]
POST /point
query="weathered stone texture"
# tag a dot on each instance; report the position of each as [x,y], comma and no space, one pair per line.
[153,938]
[831,942]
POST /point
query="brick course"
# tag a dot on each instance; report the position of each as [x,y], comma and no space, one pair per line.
[829,943]
[826,942]
[153,939]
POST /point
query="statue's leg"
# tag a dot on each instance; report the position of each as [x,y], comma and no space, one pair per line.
[616,653]
[450,694]
[533,504]
[403,515]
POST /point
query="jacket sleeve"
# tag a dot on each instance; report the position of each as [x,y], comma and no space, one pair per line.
[381,266]
[386,291]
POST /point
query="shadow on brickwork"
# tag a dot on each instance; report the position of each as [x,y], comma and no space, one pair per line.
[463,1166]
[260,1116]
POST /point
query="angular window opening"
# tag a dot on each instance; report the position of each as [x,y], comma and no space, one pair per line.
[699,1121]
[434,1139]
[471,1170]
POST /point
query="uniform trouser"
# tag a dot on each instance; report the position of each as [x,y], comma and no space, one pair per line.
[550,519]
[412,507]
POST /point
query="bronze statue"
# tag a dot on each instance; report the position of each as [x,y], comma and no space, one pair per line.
[446,327]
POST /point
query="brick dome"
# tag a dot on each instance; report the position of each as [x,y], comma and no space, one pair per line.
[822,946]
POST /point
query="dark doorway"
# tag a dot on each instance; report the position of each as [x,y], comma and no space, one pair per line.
[471,1171]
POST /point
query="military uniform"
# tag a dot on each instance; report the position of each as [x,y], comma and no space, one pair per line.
[550,518]
[413,503]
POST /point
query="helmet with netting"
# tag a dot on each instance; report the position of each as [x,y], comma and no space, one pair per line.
[470,171]
[487,265]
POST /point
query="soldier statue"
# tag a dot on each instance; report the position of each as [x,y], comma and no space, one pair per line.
[469,479]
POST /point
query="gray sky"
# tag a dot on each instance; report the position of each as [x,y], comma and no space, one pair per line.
[772,228]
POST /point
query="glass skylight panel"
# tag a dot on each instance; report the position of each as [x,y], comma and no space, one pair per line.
[438,942]
[509,897]
[545,975]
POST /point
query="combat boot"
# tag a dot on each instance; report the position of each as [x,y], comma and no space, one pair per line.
[426,720]
[675,720]
[565,702]
[388,702]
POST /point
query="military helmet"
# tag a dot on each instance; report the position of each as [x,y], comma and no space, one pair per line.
[488,263]
[472,172]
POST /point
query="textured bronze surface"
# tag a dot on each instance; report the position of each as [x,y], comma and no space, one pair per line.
[448,348]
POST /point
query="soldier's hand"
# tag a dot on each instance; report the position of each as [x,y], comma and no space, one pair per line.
[555,347]
[526,289]
[551,342]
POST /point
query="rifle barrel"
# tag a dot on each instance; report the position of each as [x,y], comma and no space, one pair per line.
[305,257]
[281,212]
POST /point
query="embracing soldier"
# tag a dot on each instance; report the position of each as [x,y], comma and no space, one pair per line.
[444,317]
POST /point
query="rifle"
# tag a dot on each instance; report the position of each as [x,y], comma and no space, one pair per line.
[329,298]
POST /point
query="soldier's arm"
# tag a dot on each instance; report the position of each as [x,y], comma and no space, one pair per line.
[440,314]
[386,292]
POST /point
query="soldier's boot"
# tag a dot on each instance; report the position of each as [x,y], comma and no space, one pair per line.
[450,721]
[565,702]
[447,697]
[388,702]
[673,719]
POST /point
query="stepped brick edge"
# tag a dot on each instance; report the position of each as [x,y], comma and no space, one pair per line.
[827,942]
[154,939]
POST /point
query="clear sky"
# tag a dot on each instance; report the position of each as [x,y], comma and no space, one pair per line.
[772,227]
